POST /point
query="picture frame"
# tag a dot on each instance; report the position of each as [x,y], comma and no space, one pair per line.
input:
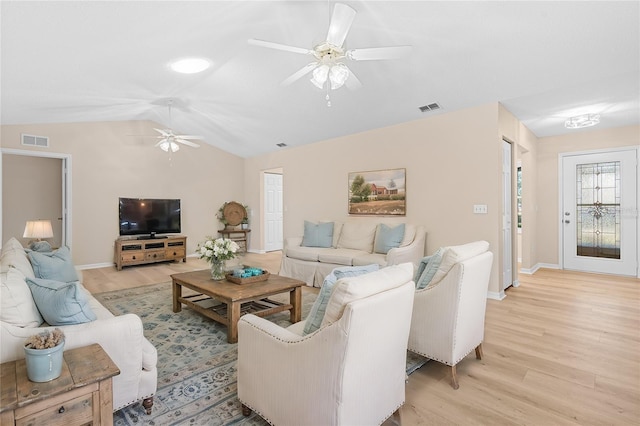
[377,192]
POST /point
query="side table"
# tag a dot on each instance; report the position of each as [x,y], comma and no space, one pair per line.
[238,235]
[82,394]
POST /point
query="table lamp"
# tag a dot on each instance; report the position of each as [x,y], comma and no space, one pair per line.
[38,229]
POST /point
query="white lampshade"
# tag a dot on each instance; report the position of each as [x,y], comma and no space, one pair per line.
[166,146]
[38,229]
[338,74]
[320,76]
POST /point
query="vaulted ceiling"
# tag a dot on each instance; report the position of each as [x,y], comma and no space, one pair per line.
[78,61]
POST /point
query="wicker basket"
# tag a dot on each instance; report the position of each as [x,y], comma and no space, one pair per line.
[253,279]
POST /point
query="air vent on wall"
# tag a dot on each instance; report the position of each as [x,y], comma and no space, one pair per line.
[32,140]
[281,144]
[430,107]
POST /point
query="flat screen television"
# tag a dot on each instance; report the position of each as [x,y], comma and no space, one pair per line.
[149,216]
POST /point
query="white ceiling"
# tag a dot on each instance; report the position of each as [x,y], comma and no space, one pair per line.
[72,61]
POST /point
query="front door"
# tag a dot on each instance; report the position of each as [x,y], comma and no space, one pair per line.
[599,213]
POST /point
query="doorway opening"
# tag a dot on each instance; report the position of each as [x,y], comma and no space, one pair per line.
[62,220]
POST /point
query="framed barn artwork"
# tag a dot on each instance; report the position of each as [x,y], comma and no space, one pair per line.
[378,192]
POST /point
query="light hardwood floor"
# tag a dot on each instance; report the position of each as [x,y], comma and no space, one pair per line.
[562,348]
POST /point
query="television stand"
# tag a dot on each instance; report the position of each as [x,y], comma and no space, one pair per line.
[151,237]
[138,251]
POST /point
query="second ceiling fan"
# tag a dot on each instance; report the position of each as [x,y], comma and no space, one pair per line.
[328,67]
[168,140]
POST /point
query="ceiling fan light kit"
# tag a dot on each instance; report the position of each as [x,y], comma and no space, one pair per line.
[328,68]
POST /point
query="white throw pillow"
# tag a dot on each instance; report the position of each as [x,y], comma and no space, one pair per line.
[16,259]
[357,236]
[17,305]
[347,290]
[456,254]
[11,244]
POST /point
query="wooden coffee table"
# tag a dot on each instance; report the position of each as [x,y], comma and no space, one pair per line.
[224,301]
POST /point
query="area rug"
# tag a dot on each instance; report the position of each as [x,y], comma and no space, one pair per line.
[196,366]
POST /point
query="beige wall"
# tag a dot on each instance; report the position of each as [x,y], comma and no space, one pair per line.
[108,163]
[31,190]
[547,196]
[452,162]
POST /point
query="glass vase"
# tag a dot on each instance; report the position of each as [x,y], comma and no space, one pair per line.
[218,268]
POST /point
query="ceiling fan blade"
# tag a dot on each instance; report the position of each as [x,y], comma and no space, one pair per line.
[188,143]
[340,24]
[300,73]
[189,137]
[378,53]
[163,132]
[278,46]
[352,82]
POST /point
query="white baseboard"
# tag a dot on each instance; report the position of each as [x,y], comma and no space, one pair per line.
[496,296]
[95,265]
[530,271]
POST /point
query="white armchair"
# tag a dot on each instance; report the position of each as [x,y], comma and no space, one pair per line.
[448,317]
[351,371]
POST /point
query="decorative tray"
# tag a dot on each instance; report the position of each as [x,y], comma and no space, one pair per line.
[253,279]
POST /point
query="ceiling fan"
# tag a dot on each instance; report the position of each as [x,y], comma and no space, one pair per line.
[168,140]
[328,67]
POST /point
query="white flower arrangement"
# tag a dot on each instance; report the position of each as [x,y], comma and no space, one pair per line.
[217,249]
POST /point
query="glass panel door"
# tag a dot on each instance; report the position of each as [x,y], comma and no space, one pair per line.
[599,213]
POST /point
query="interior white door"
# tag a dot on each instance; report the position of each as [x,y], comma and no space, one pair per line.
[599,212]
[273,211]
[507,231]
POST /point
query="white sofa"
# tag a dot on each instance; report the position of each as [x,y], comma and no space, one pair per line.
[353,244]
[121,336]
[350,371]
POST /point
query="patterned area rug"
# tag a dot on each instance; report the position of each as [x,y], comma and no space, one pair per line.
[196,365]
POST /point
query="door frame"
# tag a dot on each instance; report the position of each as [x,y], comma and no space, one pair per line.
[508,200]
[560,216]
[65,183]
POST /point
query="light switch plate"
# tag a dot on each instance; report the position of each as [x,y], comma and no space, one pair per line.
[480,208]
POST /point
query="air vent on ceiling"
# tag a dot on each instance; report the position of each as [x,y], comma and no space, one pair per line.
[430,107]
[32,140]
[281,145]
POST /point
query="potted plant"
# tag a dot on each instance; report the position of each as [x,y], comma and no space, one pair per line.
[43,355]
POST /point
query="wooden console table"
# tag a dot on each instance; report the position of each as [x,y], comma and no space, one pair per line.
[238,235]
[82,394]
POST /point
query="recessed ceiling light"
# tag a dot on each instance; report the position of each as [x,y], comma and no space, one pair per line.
[580,121]
[190,65]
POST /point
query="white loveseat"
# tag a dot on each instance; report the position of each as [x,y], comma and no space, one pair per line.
[353,243]
[120,336]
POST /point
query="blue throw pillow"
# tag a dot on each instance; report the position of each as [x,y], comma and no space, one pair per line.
[41,246]
[317,234]
[56,265]
[388,238]
[319,307]
[61,303]
[430,269]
